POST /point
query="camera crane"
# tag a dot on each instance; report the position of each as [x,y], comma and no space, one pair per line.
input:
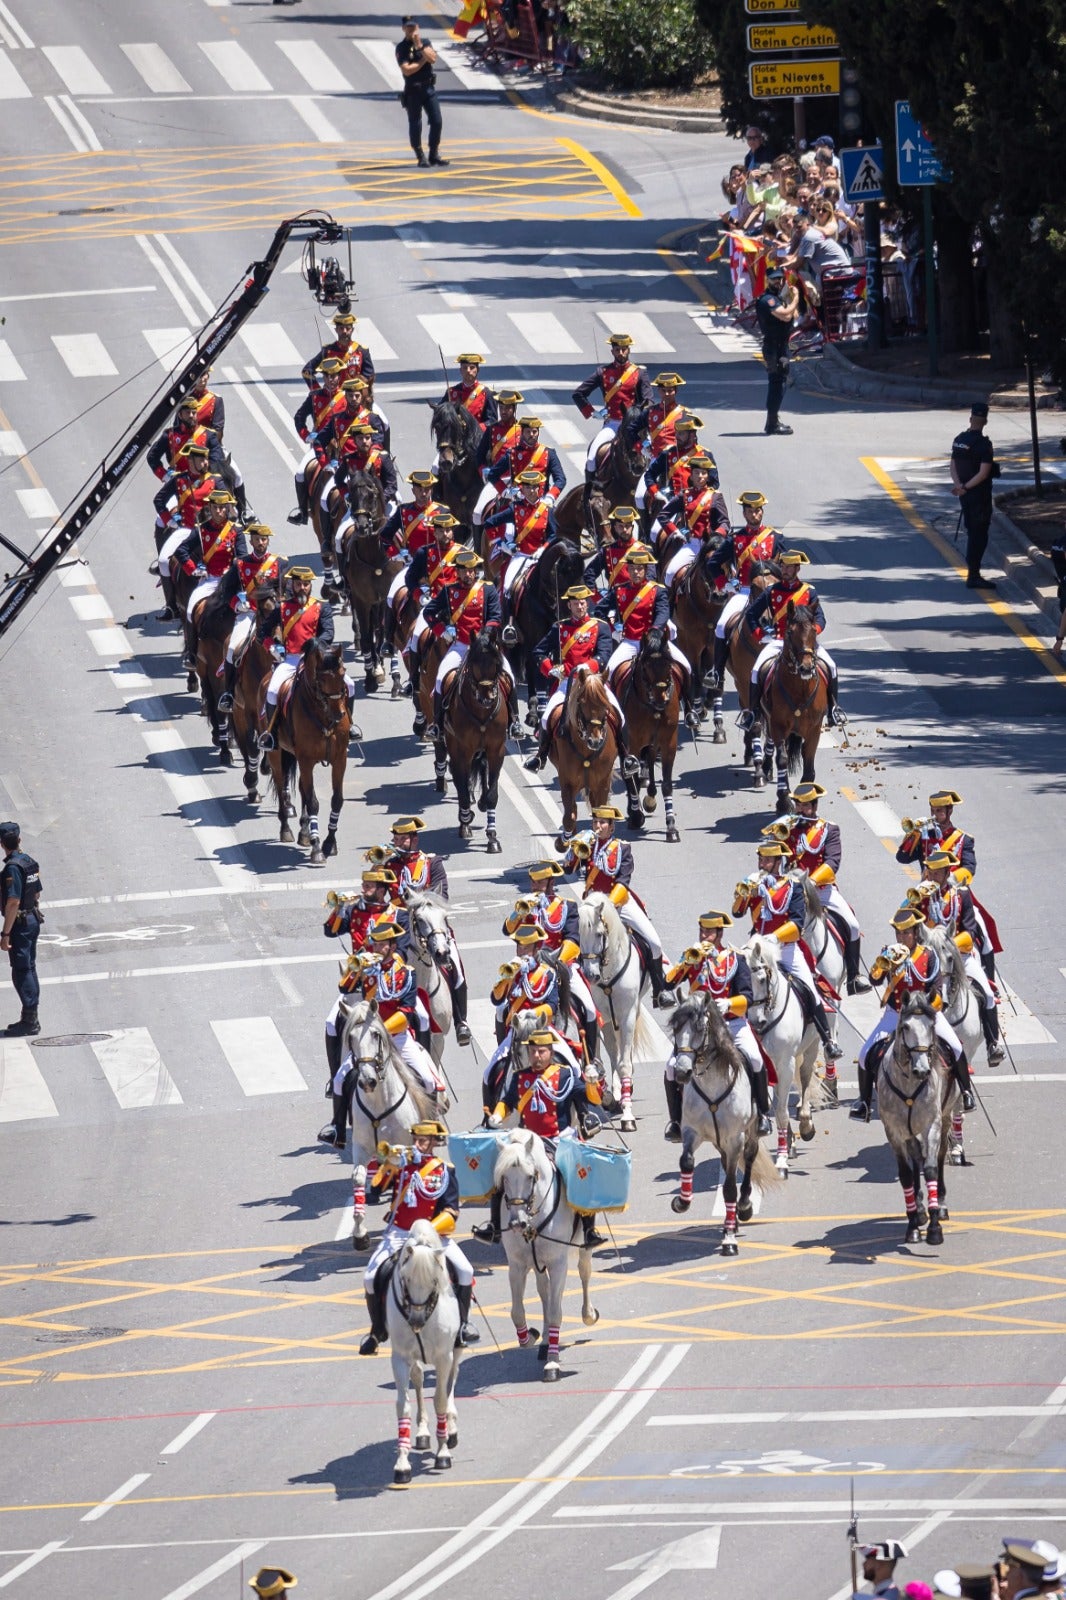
[326,280]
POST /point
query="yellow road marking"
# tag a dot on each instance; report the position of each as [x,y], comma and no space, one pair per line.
[598,170]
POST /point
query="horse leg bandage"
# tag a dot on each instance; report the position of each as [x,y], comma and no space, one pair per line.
[442,1429]
[934,1194]
[956,1126]
[686,1185]
[782,1141]
[730,1216]
[404,1433]
[522,1335]
[553,1344]
[909,1200]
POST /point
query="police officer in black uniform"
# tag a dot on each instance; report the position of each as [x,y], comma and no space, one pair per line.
[417,60]
[775,310]
[973,467]
[20,890]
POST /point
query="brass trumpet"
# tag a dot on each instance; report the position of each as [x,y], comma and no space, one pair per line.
[915,824]
[377,855]
[335,898]
[581,848]
[778,830]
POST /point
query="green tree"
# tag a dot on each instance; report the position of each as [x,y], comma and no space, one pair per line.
[637,45]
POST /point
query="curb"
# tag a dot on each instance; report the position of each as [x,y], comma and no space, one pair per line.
[835,374]
[1025,564]
[603,108]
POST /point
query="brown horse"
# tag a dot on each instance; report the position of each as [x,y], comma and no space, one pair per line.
[584,748]
[651,699]
[794,699]
[619,468]
[213,622]
[312,726]
[253,674]
[476,718]
[368,575]
[696,601]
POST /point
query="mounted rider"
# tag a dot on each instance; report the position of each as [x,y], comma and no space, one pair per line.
[210,407]
[658,420]
[641,607]
[352,917]
[557,918]
[666,476]
[520,532]
[909,966]
[291,625]
[424,1187]
[607,865]
[745,549]
[939,831]
[163,455]
[313,416]
[621,535]
[817,850]
[459,613]
[344,347]
[421,872]
[566,646]
[248,577]
[207,554]
[776,902]
[768,614]
[472,393]
[529,455]
[432,569]
[624,388]
[698,515]
[178,508]
[722,972]
[950,905]
[496,441]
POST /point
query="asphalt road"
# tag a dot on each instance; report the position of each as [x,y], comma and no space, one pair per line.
[180,1310]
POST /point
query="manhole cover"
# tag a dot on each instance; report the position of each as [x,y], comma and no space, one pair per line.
[79,1335]
[58,1041]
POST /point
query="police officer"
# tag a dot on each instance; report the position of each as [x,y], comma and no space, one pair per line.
[776,312]
[416,61]
[972,469]
[20,890]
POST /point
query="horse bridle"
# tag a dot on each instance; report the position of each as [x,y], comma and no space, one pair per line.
[416,1313]
[375,1120]
[771,984]
[319,701]
[802,662]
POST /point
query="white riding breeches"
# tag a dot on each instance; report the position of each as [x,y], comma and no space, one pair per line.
[241,632]
[398,583]
[885,1027]
[457,654]
[732,608]
[626,651]
[795,962]
[773,648]
[605,435]
[745,1041]
[643,489]
[681,559]
[976,973]
[282,673]
[558,697]
[333,1015]
[635,917]
[168,547]
[514,570]
[308,461]
[833,900]
[488,494]
[394,1239]
[205,587]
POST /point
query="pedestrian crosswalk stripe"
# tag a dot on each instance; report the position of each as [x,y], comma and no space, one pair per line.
[561,424]
[167,344]
[455,297]
[75,69]
[156,68]
[23,1091]
[12,87]
[258,1055]
[315,67]
[309,111]
[381,53]
[84,355]
[456,60]
[577,459]
[37,503]
[270,346]
[10,371]
[544,333]
[135,1070]
[233,63]
[92,607]
[454,334]
[646,337]
[369,334]
[10,443]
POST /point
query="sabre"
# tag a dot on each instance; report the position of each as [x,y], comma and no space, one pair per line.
[852,1025]
[1010,1056]
[488,1324]
[984,1108]
[853,1541]
[444,369]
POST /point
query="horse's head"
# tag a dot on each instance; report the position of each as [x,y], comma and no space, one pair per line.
[592,937]
[370,1045]
[588,708]
[455,433]
[421,1274]
[366,498]
[800,650]
[484,668]
[428,921]
[916,1034]
[655,666]
[625,459]
[688,1028]
[763,960]
[517,1171]
[569,566]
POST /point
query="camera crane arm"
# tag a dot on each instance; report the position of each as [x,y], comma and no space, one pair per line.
[19,588]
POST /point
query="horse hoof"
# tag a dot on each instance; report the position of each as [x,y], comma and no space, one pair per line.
[913,1235]
[673,836]
[945,1214]
[559,843]
[679,1205]
[370,683]
[718,736]
[442,1462]
[551,1374]
[781,1163]
[591,1319]
[781,805]
[285,836]
[465,831]
[316,858]
[401,1477]
[304,837]
[806,1129]
[745,1211]
[192,682]
[453,1439]
[397,689]
[957,1156]
[493,845]
[760,781]
[635,821]
[329,848]
[627,1122]
[423,1442]
[225,755]
[649,804]
[252,794]
[934,1234]
[360,1241]
[729,1247]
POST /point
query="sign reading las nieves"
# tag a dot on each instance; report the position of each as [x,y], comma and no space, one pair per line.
[790,36]
[779,80]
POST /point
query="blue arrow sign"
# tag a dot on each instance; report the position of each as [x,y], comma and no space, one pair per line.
[863,172]
[917,164]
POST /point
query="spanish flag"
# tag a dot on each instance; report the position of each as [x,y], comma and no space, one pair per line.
[472,13]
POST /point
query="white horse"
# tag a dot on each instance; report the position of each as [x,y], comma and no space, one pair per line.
[717,1108]
[611,965]
[789,1040]
[432,948]
[962,1010]
[827,957]
[422,1316]
[381,1099]
[540,1230]
[916,1096]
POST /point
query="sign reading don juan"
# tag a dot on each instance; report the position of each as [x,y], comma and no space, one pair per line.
[780,80]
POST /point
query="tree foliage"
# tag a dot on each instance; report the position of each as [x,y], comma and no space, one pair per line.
[637,45]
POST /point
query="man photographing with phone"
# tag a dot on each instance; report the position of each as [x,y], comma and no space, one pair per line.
[417,60]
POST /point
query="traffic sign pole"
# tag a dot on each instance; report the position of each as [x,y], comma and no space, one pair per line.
[875,303]
[930,278]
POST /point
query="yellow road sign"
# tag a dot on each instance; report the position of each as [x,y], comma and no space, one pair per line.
[791,36]
[759,8]
[780,80]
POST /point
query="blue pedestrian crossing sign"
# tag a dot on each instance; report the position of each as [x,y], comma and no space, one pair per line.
[863,172]
[917,163]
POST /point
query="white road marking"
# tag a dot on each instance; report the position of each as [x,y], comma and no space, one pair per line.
[116,1496]
[196,1426]
[346,1223]
[1019,1024]
[79,294]
[235,1557]
[241,965]
[196,288]
[725,1419]
[67,122]
[381,53]
[455,297]
[455,58]
[246,886]
[270,346]
[252,406]
[514,793]
[24,1094]
[167,344]
[19,36]
[12,86]
[646,336]
[156,68]
[696,1552]
[481,1015]
[544,333]
[454,334]
[110,641]
[75,69]
[318,70]
[10,443]
[258,1056]
[879,818]
[184,304]
[372,337]
[90,607]
[865,1507]
[80,123]
[233,63]
[37,503]
[588,1440]
[135,1070]
[562,426]
[181,770]
[310,112]
[84,355]
[33,1560]
[10,371]
[715,326]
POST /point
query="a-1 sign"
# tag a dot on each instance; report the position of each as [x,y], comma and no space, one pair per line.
[863,173]
[917,164]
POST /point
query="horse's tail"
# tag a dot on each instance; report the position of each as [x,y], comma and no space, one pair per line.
[794,755]
[288,775]
[645,1044]
[812,901]
[764,1175]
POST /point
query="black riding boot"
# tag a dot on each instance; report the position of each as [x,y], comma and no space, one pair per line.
[379,1333]
[990,1029]
[857,984]
[415,669]
[299,517]
[960,1071]
[240,495]
[833,1052]
[229,683]
[593,1236]
[586,499]
[988,965]
[721,657]
[661,993]
[467,1334]
[626,759]
[538,760]
[674,1098]
[458,989]
[489,1232]
[860,1111]
[748,718]
[834,717]
[170,600]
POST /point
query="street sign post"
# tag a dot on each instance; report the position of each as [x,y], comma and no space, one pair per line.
[784,80]
[917,163]
[790,36]
[863,173]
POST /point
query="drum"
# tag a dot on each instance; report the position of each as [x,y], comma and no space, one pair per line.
[596,1179]
[473,1156]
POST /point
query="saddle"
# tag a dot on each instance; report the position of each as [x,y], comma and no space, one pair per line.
[838,928]
[379,1294]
